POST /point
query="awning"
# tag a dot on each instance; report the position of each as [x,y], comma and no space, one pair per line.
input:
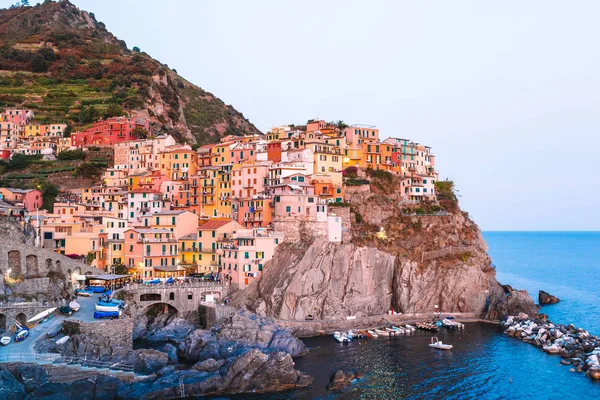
[295,187]
[170,268]
[107,277]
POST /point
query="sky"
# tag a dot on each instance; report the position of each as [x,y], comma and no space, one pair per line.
[506,93]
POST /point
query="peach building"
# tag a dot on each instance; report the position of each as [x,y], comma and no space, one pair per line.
[209,235]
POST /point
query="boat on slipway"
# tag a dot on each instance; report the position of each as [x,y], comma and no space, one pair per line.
[42,317]
[75,306]
[5,340]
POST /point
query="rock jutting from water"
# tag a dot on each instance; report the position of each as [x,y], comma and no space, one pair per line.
[575,345]
[546,298]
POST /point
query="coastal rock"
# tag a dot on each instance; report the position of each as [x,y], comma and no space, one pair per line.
[10,387]
[171,352]
[166,327]
[507,288]
[546,298]
[243,329]
[340,379]
[140,327]
[147,361]
[253,371]
[519,301]
[209,365]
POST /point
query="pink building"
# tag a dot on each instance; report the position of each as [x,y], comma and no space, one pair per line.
[31,199]
[244,255]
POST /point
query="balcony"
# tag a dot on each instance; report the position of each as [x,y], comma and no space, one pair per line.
[215,264]
[187,249]
[157,240]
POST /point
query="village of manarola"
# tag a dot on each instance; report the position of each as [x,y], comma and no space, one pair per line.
[320,199]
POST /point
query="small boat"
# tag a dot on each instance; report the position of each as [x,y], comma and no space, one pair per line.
[54,331]
[373,334]
[107,314]
[355,334]
[106,307]
[169,281]
[66,310]
[152,282]
[437,344]
[21,335]
[84,293]
[75,306]
[5,340]
[427,326]
[43,316]
[399,330]
[382,332]
[63,340]
[366,334]
[107,299]
[341,337]
[410,328]
[392,332]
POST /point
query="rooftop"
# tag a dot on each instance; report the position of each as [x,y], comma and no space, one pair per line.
[213,224]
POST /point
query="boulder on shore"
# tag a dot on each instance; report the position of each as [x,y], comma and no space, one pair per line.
[547,298]
[340,379]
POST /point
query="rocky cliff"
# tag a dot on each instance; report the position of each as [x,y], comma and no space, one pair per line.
[399,257]
[66,66]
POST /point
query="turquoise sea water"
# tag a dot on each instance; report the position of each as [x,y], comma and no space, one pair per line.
[564,264]
[484,363]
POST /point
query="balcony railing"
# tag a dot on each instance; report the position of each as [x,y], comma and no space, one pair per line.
[157,240]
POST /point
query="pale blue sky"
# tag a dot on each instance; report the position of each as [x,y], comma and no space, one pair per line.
[506,93]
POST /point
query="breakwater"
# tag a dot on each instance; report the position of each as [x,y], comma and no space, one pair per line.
[576,346]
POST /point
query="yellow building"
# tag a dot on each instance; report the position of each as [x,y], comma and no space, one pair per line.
[328,157]
[221,154]
[179,164]
[188,252]
[216,192]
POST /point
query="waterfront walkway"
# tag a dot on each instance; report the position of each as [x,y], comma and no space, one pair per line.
[309,328]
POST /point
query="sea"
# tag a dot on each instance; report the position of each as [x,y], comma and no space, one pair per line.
[484,363]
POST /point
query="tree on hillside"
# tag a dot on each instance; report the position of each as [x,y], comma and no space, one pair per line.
[139,132]
[136,49]
[88,114]
[113,110]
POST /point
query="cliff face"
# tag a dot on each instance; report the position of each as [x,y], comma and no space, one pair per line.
[394,260]
[329,281]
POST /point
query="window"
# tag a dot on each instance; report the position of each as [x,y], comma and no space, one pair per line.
[246,254]
[288,209]
[214,234]
[171,296]
[190,296]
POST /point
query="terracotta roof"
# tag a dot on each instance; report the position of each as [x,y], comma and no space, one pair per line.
[213,224]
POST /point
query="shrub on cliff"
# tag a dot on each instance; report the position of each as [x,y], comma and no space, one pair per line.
[68,155]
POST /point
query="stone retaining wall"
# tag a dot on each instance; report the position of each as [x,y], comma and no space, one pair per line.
[119,330]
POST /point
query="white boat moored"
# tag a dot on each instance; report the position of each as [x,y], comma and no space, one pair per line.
[5,340]
[341,337]
[373,334]
[437,344]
